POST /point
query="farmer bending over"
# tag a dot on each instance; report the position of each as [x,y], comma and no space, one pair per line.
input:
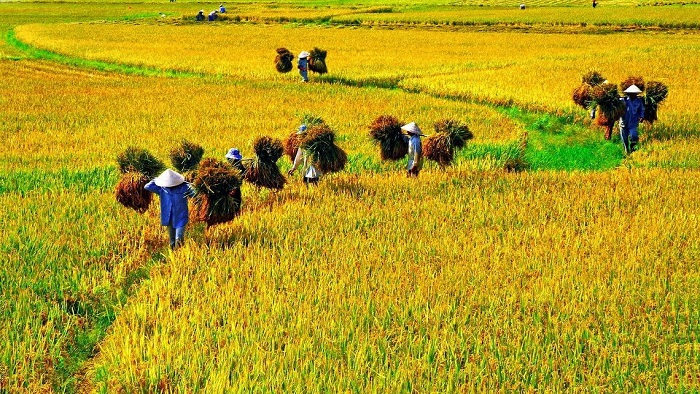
[634,113]
[173,192]
[415,149]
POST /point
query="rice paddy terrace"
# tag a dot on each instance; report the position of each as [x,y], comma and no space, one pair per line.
[578,273]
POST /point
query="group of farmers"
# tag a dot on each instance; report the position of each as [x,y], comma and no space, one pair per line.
[214,15]
[173,191]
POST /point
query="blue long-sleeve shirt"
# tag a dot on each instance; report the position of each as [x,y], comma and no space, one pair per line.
[634,111]
[173,203]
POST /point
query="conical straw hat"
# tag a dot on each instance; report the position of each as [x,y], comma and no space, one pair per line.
[411,128]
[169,178]
[633,89]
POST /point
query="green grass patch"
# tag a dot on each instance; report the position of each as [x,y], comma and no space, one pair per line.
[26,181]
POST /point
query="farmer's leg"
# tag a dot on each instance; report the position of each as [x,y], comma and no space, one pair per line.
[634,139]
[179,236]
[171,233]
[624,136]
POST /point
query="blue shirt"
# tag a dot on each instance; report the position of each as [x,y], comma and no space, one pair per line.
[303,64]
[173,203]
[415,151]
[634,110]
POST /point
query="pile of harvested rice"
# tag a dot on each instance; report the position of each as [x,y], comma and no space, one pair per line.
[319,141]
[386,131]
[217,192]
[607,98]
[262,171]
[130,192]
[656,92]
[593,78]
[141,161]
[186,156]
[284,60]
[317,61]
[293,141]
[450,135]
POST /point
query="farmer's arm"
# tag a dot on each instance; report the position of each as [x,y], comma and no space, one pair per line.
[297,160]
[152,187]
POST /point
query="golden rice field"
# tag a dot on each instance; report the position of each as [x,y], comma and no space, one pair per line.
[468,64]
[578,275]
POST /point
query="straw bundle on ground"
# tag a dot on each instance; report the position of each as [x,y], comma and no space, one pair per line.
[607,98]
[593,78]
[283,60]
[319,141]
[186,156]
[131,194]
[656,92]
[450,135]
[386,131]
[140,160]
[217,198]
[633,80]
[262,171]
[317,61]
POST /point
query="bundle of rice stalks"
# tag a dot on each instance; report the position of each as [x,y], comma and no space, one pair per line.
[593,78]
[283,60]
[293,141]
[459,132]
[217,184]
[450,135]
[291,145]
[607,98]
[262,171]
[131,194]
[656,92]
[633,80]
[187,156]
[386,131]
[317,61]
[582,95]
[141,161]
[438,148]
[319,141]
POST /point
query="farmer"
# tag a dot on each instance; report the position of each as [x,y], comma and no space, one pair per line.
[303,66]
[595,3]
[311,174]
[234,157]
[222,9]
[213,15]
[415,149]
[173,192]
[200,16]
[634,113]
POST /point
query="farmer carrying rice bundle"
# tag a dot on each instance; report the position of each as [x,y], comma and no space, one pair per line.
[174,214]
[415,149]
[634,113]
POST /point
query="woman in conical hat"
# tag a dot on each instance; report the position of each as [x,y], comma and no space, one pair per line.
[629,122]
[174,213]
[415,149]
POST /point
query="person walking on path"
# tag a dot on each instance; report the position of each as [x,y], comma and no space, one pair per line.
[311,173]
[629,122]
[303,66]
[174,213]
[415,149]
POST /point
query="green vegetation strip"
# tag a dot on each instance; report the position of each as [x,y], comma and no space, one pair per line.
[41,54]
[26,181]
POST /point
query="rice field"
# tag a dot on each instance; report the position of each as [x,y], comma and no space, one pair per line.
[578,274]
